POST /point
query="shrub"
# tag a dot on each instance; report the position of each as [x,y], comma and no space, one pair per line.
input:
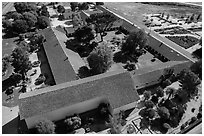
[45,126]
[147,95]
[73,122]
[149,104]
[159,92]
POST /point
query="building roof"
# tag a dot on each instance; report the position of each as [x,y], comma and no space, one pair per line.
[58,60]
[75,60]
[150,75]
[116,86]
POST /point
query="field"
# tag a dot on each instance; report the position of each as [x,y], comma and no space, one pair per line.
[136,10]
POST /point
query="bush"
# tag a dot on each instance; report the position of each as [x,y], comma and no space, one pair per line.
[45,126]
[159,92]
[73,122]
[193,119]
[147,95]
[199,115]
[149,104]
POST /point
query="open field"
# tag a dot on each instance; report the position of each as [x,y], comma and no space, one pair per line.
[136,10]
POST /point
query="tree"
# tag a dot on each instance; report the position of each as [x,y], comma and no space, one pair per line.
[43,22]
[100,59]
[16,16]
[101,21]
[73,122]
[104,111]
[20,61]
[99,3]
[192,17]
[197,68]
[147,95]
[44,12]
[83,6]
[24,46]
[159,92]
[166,83]
[16,78]
[189,82]
[149,104]
[60,9]
[8,25]
[21,6]
[30,19]
[5,63]
[45,126]
[147,113]
[135,42]
[20,26]
[36,42]
[163,113]
[73,5]
[84,34]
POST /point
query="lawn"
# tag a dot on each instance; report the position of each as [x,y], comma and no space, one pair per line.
[8,45]
[184,41]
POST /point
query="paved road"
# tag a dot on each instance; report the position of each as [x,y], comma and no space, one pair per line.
[8,7]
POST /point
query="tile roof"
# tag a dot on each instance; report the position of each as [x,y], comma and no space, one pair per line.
[58,60]
[116,86]
[150,75]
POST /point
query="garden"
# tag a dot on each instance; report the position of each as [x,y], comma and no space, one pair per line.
[171,105]
[184,41]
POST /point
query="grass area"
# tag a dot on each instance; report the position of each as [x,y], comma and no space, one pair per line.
[8,45]
[136,10]
[184,41]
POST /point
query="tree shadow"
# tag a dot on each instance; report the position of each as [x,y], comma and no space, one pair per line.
[8,34]
[11,127]
[82,50]
[120,57]
[45,68]
[157,125]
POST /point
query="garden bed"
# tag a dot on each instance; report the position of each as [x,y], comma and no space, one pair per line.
[184,41]
[176,31]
